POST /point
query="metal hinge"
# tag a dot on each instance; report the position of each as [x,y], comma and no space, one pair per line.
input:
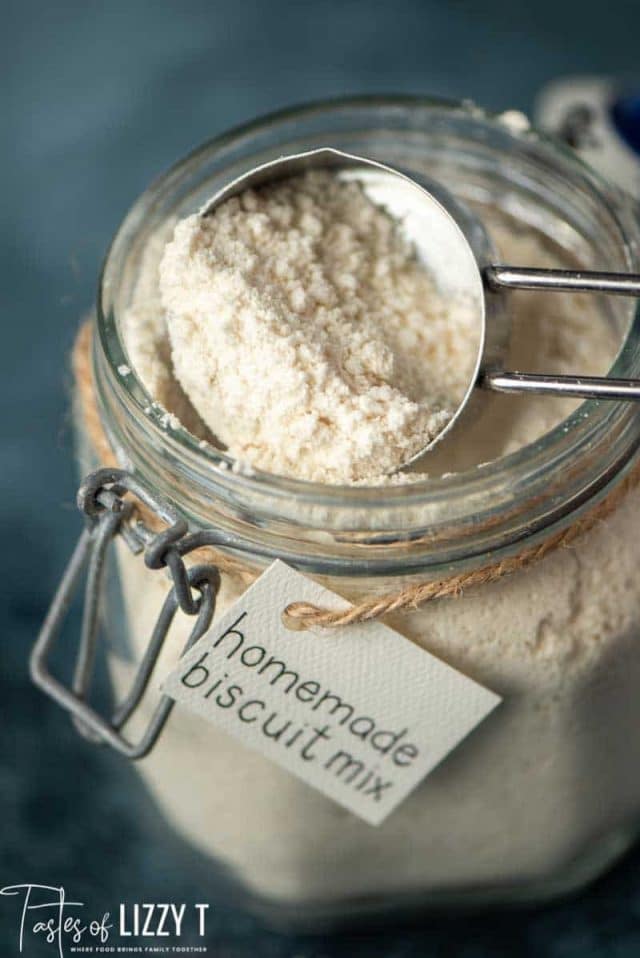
[108,514]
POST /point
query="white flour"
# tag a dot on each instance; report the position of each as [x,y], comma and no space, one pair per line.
[560,333]
[551,774]
[307,335]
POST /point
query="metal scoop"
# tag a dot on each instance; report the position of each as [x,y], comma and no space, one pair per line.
[455,249]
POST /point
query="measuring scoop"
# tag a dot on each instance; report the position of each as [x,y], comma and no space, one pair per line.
[456,250]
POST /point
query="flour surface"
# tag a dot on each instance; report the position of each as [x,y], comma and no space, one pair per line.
[307,335]
[564,334]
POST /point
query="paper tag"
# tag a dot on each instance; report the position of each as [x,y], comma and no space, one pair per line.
[359,712]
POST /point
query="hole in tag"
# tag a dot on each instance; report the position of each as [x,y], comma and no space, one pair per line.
[290,623]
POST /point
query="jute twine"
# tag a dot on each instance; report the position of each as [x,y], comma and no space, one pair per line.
[303,614]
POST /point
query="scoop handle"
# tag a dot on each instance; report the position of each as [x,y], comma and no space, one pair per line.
[584,387]
[562,280]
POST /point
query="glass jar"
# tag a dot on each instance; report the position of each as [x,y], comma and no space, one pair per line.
[544,794]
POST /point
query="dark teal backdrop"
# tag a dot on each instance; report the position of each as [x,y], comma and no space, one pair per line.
[97,98]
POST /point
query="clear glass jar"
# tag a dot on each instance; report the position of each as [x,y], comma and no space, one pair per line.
[543,795]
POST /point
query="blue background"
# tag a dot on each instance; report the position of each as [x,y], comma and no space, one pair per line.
[97,98]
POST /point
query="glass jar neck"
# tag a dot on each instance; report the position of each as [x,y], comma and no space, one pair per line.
[434,524]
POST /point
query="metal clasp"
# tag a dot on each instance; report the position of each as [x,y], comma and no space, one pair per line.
[194,590]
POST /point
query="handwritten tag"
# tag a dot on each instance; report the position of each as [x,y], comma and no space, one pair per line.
[359,713]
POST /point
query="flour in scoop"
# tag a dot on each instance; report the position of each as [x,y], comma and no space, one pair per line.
[308,336]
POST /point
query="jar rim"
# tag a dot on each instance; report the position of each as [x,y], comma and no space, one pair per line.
[125,398]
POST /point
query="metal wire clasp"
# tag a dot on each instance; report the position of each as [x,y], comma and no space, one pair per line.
[108,513]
